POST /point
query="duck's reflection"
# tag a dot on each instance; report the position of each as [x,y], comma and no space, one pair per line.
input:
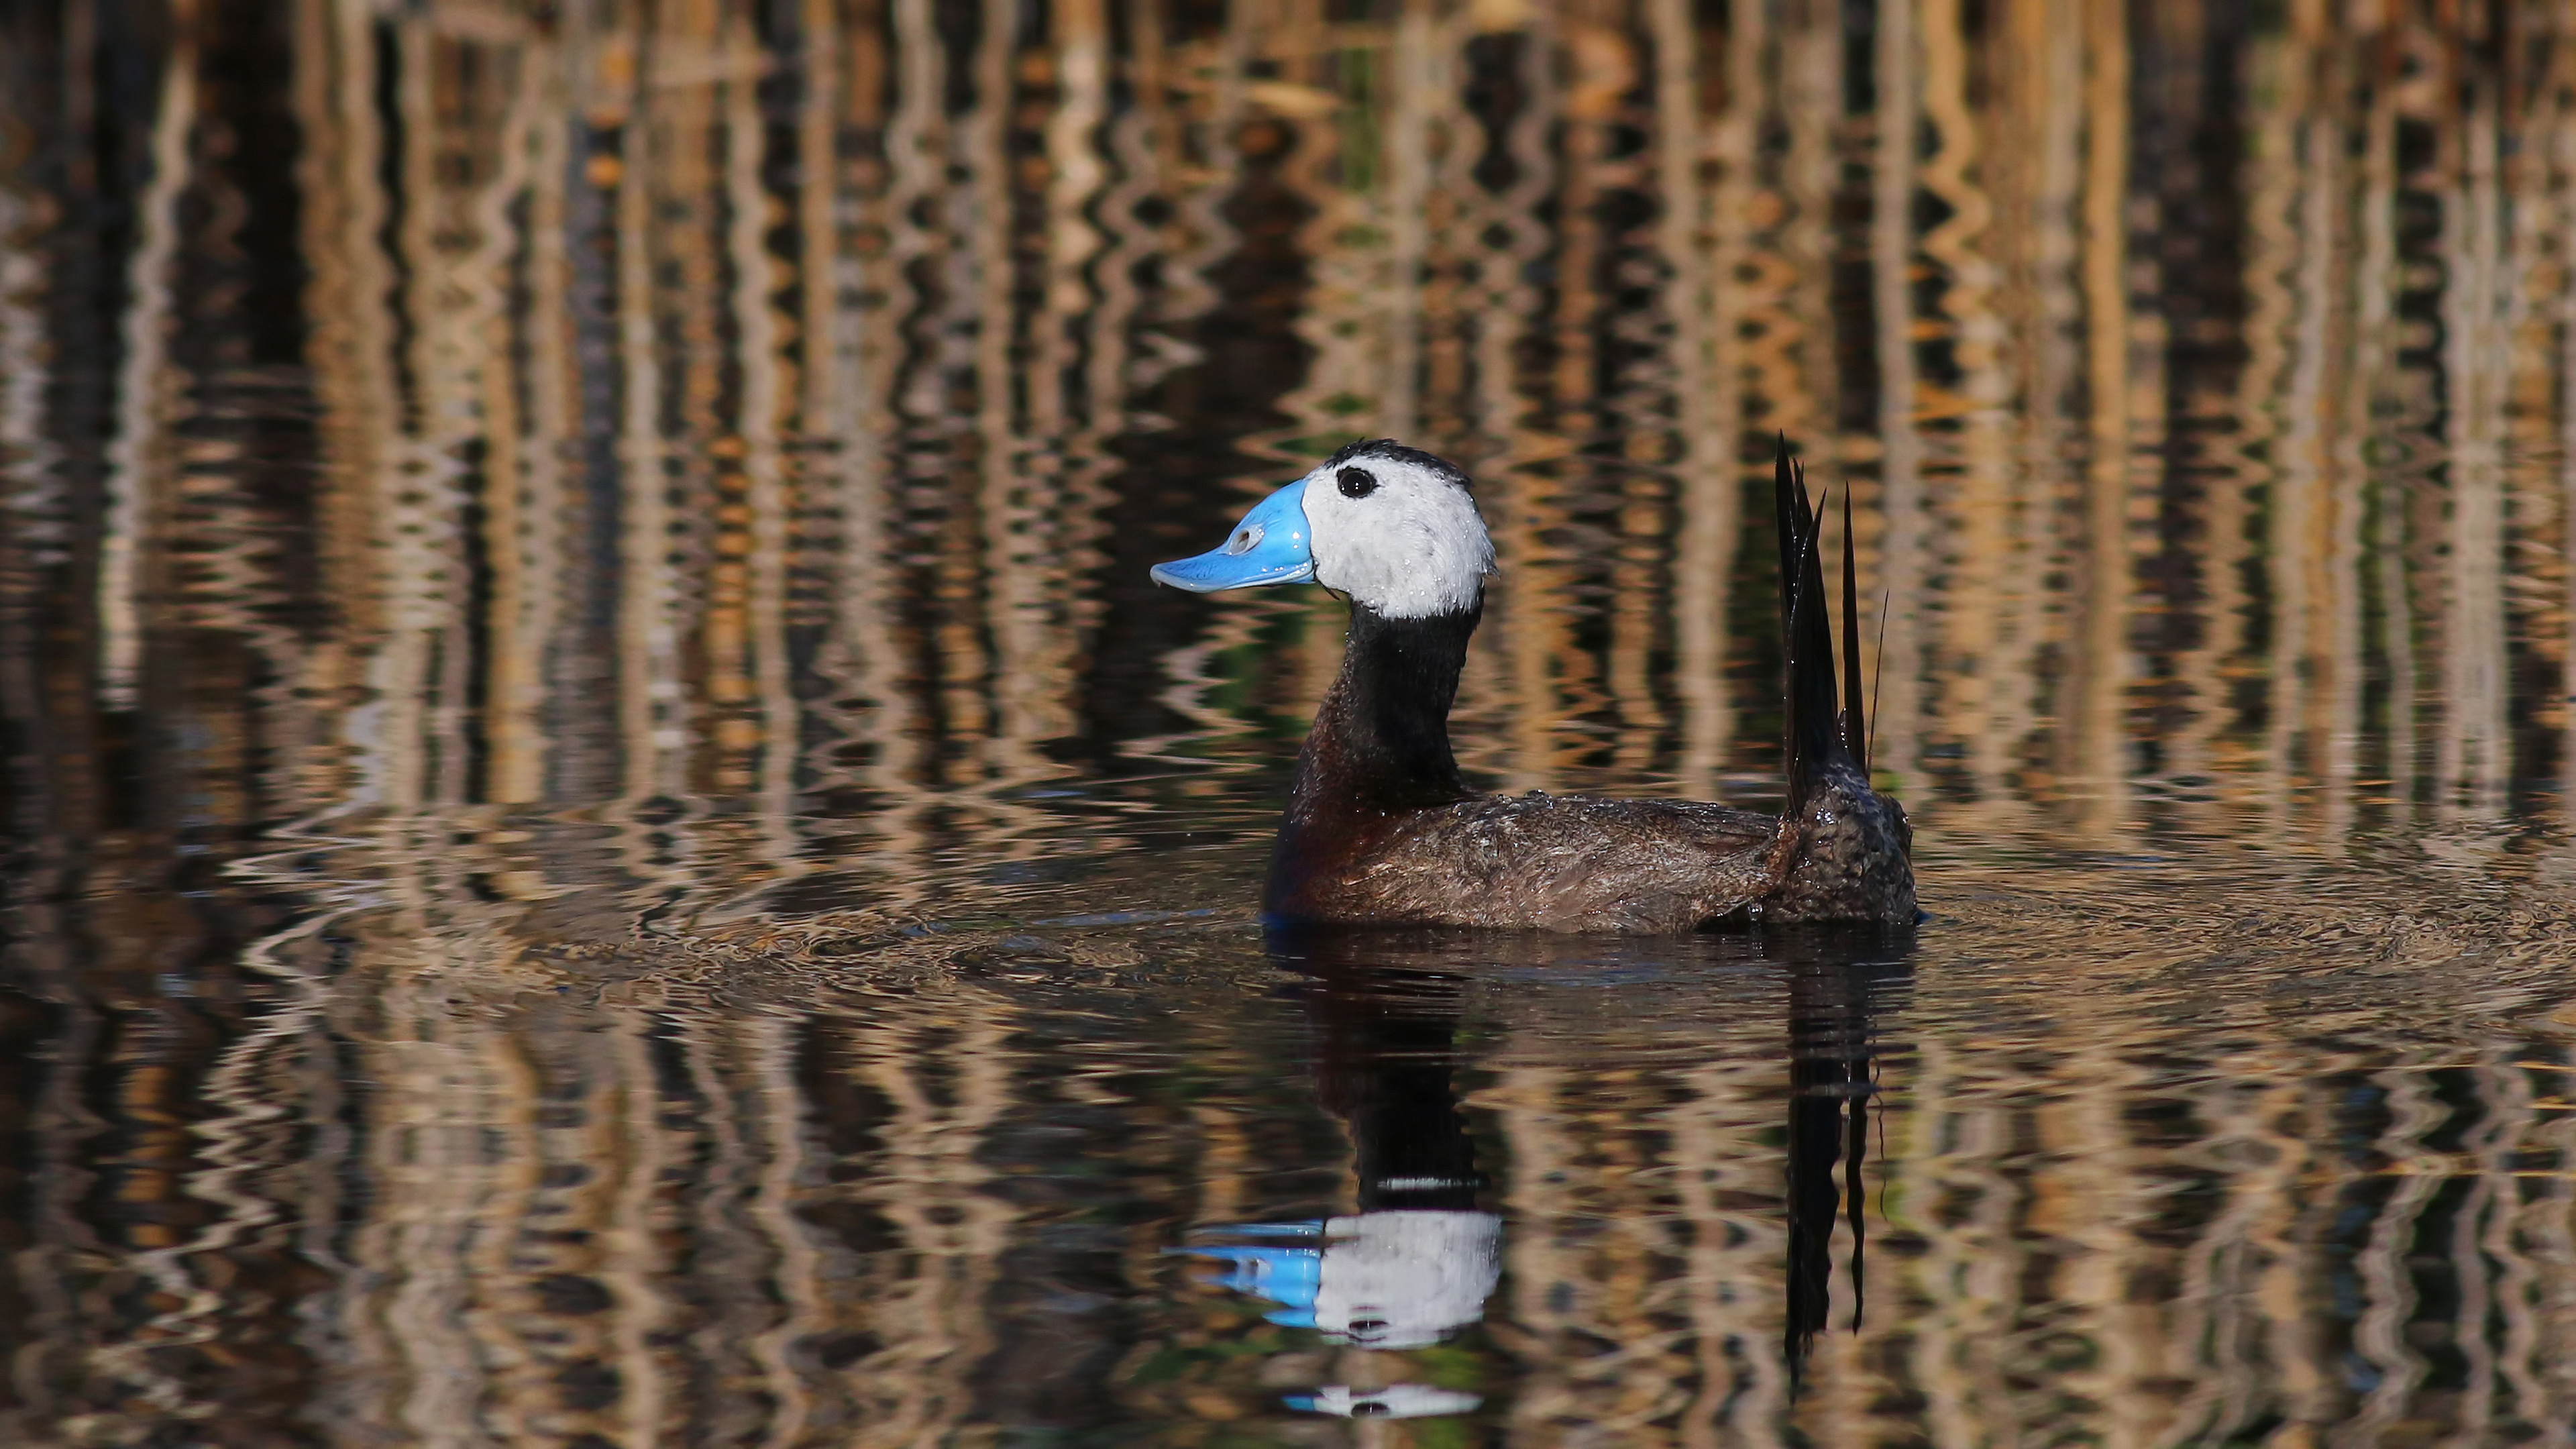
[1420,1258]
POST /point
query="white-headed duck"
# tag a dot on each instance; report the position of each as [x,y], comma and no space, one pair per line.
[1380,829]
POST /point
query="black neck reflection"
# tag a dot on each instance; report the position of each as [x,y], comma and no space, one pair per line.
[1841,983]
[1385,1063]
[1387,1069]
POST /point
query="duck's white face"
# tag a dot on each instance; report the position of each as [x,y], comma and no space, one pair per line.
[1397,531]
[1390,526]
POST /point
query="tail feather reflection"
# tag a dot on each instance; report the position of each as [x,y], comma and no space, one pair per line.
[1837,987]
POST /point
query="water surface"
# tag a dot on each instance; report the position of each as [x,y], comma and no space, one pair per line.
[608,845]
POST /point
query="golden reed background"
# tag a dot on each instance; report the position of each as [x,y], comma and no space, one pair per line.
[492,496]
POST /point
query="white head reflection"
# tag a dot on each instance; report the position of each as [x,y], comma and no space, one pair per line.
[1393,1279]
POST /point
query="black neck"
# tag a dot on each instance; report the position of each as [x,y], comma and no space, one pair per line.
[1382,737]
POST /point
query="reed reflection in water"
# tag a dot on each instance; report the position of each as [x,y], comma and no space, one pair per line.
[593,781]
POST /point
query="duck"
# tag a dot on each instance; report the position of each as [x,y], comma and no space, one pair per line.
[1380,827]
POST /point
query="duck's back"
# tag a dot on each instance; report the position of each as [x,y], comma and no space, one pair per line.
[1528,862]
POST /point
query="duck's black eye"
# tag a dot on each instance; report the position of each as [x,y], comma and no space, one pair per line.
[1356,482]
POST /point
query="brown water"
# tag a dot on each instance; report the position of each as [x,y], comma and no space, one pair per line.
[607,843]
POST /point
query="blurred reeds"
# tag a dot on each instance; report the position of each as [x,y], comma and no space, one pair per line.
[2202,381]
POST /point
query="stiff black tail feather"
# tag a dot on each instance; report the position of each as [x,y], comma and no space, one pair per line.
[1806,629]
[1855,722]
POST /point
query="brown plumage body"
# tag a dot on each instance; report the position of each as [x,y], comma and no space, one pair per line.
[1380,829]
[1533,861]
